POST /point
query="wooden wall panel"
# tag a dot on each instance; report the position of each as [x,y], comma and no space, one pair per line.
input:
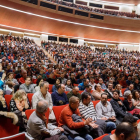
[16,19]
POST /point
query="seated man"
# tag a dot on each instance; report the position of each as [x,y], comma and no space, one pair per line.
[82,85]
[74,92]
[27,86]
[118,106]
[124,131]
[87,110]
[109,90]
[37,126]
[59,97]
[103,86]
[43,94]
[24,75]
[88,89]
[104,109]
[65,119]
[97,92]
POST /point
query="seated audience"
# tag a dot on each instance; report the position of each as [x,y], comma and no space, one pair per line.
[83,84]
[51,79]
[2,80]
[24,75]
[97,92]
[58,81]
[38,126]
[66,120]
[3,106]
[130,87]
[74,92]
[38,82]
[118,106]
[27,86]
[103,86]
[119,89]
[63,79]
[59,97]
[43,94]
[9,87]
[19,104]
[10,76]
[68,85]
[136,99]
[91,82]
[72,77]
[130,106]
[105,110]
[124,131]
[87,110]
[136,84]
[109,90]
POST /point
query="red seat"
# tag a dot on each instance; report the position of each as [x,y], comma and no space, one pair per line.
[8,99]
[138,121]
[30,95]
[30,111]
[123,89]
[101,137]
[20,136]
[67,92]
[75,85]
[80,91]
[122,98]
[113,131]
[95,102]
[57,111]
[50,87]
[7,128]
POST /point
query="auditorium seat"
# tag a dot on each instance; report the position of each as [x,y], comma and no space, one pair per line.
[75,85]
[50,87]
[19,136]
[30,111]
[113,131]
[67,92]
[8,99]
[95,102]
[101,137]
[30,95]
[123,89]
[80,91]
[7,128]
[57,111]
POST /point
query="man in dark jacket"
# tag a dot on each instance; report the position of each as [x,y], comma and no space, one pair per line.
[118,106]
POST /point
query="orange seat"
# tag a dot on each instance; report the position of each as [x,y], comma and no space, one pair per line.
[113,131]
[50,87]
[30,111]
[123,89]
[19,136]
[30,95]
[75,85]
[57,111]
[138,121]
[122,98]
[95,102]
[7,128]
[67,92]
[101,137]
[8,99]
[80,91]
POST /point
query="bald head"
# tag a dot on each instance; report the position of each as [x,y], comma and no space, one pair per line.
[42,106]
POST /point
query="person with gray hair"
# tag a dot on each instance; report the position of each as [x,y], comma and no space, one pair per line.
[43,94]
[38,126]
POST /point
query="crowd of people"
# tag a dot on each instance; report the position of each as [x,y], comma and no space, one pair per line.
[81,76]
[96,10]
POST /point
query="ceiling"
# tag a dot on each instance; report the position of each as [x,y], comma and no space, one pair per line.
[136,2]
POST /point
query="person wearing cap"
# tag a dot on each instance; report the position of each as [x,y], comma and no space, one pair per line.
[130,106]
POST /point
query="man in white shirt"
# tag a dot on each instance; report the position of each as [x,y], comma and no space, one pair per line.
[43,94]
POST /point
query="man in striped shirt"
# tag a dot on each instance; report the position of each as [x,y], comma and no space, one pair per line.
[87,110]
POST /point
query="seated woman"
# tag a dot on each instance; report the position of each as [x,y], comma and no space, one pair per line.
[39,81]
[9,87]
[130,106]
[119,88]
[19,104]
[68,86]
[136,99]
[58,81]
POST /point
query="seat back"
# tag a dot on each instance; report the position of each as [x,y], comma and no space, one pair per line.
[19,136]
[30,111]
[95,102]
[30,95]
[7,128]
[80,91]
[122,98]
[57,111]
[101,137]
[67,92]
[8,99]
[50,87]
[123,89]
[113,131]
